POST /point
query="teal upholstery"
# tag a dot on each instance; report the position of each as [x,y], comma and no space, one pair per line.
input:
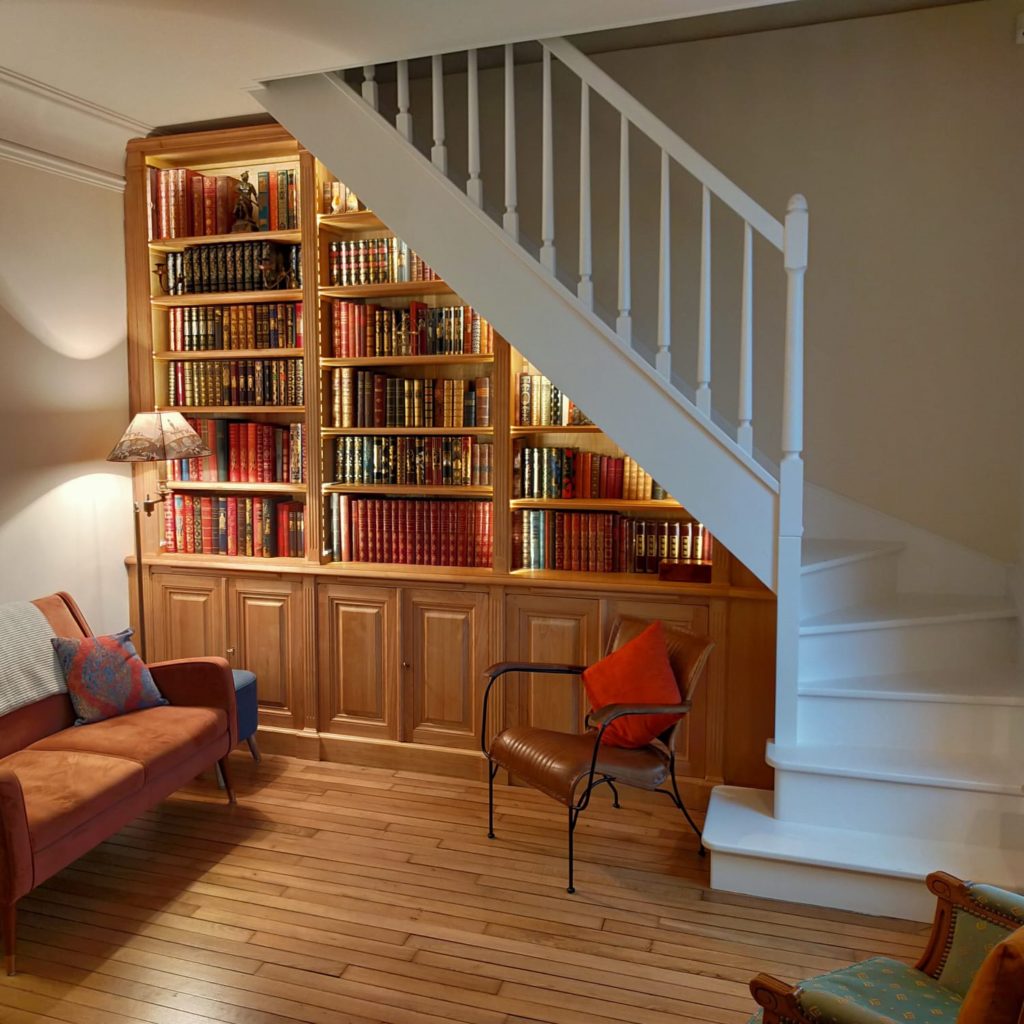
[1009,904]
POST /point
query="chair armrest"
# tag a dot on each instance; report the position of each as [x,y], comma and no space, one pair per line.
[16,868]
[534,666]
[610,712]
[778,1001]
[201,683]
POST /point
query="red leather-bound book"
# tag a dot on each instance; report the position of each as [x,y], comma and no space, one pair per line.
[232,526]
[195,199]
[257,527]
[381,541]
[209,205]
[283,528]
[615,478]
[388,532]
[575,542]
[432,522]
[272,191]
[234,452]
[188,515]
[603,483]
[227,193]
[359,530]
[461,532]
[252,453]
[169,545]
[339,328]
[206,519]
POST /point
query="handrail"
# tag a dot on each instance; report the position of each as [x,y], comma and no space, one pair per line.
[663,136]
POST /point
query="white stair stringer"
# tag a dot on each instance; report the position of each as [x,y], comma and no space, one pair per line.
[907,756]
[683,449]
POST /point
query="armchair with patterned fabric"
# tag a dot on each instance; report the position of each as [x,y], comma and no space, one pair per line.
[972,971]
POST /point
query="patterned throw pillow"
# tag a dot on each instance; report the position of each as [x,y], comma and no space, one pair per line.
[105,676]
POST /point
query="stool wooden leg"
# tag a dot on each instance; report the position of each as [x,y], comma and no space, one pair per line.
[10,926]
[253,749]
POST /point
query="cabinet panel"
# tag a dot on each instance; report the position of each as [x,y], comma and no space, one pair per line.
[265,628]
[359,660]
[554,629]
[187,616]
[445,655]
[691,741]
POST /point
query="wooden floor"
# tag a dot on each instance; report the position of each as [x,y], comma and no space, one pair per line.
[341,895]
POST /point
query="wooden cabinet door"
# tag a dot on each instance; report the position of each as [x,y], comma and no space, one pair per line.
[358,637]
[187,617]
[691,741]
[553,629]
[265,634]
[446,653]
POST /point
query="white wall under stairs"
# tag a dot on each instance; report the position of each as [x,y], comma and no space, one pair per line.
[907,756]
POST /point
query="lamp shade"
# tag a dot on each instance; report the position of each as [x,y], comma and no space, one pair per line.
[157,437]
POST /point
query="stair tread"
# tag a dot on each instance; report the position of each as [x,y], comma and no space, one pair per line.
[910,609]
[1001,685]
[740,821]
[950,769]
[818,553]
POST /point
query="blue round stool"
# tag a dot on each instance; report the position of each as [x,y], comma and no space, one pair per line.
[248,713]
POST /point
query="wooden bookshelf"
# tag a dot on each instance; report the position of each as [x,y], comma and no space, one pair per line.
[377,662]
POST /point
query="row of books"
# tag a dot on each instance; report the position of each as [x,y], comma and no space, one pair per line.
[183,202]
[244,452]
[359,331]
[375,261]
[242,325]
[362,398]
[572,473]
[407,461]
[235,382]
[410,531]
[255,266]
[541,404]
[336,197]
[228,525]
[604,541]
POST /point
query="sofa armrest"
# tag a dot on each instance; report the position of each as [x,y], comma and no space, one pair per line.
[199,682]
[16,865]
[777,1001]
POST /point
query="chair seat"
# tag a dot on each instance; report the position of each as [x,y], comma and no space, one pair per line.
[555,762]
[877,991]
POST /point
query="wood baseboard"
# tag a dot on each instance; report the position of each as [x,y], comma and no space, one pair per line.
[300,743]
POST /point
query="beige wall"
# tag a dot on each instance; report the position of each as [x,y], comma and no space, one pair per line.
[65,514]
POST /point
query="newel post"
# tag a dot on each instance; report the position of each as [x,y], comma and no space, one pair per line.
[791,477]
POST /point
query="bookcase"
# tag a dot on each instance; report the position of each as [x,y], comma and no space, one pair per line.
[396,498]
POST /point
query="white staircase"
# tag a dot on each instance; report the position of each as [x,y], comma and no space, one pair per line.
[895,713]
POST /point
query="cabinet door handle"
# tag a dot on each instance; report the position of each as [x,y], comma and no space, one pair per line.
[406,664]
[231,650]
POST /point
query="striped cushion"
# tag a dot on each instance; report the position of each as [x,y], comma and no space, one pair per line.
[29,670]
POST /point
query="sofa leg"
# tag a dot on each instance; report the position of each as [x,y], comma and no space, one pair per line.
[253,749]
[225,775]
[10,922]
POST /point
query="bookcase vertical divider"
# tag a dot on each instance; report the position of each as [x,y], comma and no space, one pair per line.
[308,205]
[501,479]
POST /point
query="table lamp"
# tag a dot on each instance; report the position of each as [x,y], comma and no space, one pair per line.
[154,437]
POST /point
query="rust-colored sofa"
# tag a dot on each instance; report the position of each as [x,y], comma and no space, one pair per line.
[64,789]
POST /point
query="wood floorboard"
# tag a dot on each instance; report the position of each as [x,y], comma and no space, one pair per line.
[335,894]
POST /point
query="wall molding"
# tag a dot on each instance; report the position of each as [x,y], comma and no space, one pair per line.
[28,157]
[71,101]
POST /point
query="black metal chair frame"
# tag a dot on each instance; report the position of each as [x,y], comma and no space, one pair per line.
[601,718]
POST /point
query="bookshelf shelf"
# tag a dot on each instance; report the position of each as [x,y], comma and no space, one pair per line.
[226,298]
[550,429]
[231,353]
[598,504]
[407,431]
[342,223]
[232,487]
[409,490]
[177,244]
[329,363]
[392,289]
[234,410]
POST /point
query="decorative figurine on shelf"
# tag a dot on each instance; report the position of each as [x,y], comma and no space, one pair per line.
[245,207]
[168,281]
[274,272]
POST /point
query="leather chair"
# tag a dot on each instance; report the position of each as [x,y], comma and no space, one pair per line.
[569,767]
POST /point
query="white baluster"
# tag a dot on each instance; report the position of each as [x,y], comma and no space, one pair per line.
[745,430]
[704,321]
[439,151]
[370,84]
[510,220]
[474,186]
[663,358]
[585,288]
[403,119]
[791,476]
[624,321]
[547,160]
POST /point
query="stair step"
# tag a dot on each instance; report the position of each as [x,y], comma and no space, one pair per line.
[753,852]
[951,770]
[999,686]
[817,555]
[910,610]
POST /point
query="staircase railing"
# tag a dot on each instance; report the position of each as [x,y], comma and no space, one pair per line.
[789,239]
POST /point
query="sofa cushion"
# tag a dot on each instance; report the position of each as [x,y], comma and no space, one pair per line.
[65,788]
[105,676]
[156,738]
[996,995]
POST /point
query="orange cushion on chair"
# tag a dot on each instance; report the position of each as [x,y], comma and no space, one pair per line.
[637,673]
[996,995]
